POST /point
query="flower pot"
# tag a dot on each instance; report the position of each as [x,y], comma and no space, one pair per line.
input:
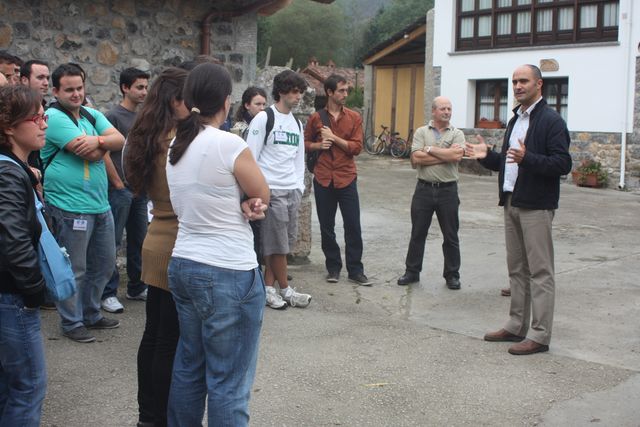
[490,124]
[585,180]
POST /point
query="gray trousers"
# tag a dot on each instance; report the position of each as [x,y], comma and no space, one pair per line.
[529,246]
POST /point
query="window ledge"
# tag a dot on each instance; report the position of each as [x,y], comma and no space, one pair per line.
[528,48]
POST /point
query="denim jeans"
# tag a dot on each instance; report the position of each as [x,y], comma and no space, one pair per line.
[131,213]
[220,315]
[23,372]
[92,250]
[444,202]
[155,356]
[327,201]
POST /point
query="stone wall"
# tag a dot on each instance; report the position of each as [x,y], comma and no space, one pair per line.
[106,37]
[600,146]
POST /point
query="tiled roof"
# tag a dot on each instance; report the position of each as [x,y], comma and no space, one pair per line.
[315,75]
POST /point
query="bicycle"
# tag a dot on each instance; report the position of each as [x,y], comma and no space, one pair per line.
[387,141]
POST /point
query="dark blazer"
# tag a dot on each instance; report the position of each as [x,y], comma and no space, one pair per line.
[546,159]
[19,234]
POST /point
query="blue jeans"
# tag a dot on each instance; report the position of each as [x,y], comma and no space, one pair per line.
[327,201]
[92,250]
[130,212]
[23,372]
[220,315]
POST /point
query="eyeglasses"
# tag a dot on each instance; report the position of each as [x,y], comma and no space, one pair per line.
[38,119]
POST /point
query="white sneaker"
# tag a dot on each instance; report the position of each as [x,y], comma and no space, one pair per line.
[112,305]
[295,299]
[274,300]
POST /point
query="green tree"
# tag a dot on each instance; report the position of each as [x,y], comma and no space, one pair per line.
[303,30]
[392,19]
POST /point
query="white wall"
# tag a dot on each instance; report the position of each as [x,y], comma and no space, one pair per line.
[601,79]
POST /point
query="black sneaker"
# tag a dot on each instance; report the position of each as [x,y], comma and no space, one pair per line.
[333,277]
[360,279]
[105,323]
[80,334]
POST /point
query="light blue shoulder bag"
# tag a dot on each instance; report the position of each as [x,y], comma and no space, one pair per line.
[54,260]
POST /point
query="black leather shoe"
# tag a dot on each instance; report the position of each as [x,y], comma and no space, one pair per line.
[408,278]
[453,283]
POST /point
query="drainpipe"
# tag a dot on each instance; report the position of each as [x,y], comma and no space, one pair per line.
[627,75]
[206,22]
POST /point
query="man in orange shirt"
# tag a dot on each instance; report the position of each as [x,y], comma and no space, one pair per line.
[335,179]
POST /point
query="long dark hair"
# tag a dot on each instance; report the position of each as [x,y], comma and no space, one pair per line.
[247,96]
[205,93]
[152,125]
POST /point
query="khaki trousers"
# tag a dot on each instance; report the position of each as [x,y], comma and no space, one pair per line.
[530,263]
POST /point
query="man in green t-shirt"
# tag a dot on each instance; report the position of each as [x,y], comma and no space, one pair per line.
[75,187]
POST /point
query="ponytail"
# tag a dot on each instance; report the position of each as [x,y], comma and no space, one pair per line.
[205,93]
[186,132]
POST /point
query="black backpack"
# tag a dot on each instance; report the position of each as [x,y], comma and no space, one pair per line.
[313,156]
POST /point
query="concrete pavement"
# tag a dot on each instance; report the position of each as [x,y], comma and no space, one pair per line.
[414,356]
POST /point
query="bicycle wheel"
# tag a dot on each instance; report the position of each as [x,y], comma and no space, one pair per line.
[378,146]
[398,148]
[369,144]
[407,151]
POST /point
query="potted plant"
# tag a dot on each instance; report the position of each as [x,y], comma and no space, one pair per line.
[485,123]
[590,173]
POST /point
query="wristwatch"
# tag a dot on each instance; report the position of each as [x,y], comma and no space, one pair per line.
[428,149]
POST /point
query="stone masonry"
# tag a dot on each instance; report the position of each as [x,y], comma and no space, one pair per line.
[600,146]
[106,37]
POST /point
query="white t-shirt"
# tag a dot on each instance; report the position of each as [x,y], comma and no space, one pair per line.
[206,198]
[281,159]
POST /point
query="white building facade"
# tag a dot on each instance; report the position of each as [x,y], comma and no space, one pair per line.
[587,50]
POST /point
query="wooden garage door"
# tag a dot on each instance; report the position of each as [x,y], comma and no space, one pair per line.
[399,98]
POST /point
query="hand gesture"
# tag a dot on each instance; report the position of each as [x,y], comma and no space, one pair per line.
[515,155]
[326,133]
[458,151]
[86,145]
[326,144]
[253,209]
[476,151]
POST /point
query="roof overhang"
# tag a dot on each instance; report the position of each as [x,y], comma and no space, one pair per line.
[407,45]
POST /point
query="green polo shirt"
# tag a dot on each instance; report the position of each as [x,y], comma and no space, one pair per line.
[428,136]
[72,183]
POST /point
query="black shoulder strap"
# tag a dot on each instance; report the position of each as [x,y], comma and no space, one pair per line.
[83,112]
[270,121]
[324,116]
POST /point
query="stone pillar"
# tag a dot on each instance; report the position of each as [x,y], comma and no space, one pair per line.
[368,111]
[302,248]
[429,72]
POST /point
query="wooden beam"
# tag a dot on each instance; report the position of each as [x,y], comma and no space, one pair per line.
[413,35]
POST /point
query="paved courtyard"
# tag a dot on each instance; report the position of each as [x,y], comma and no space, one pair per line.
[414,356]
